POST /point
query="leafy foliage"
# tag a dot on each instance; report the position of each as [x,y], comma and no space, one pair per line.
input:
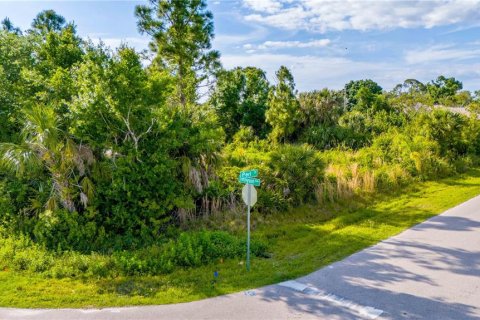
[352,88]
[189,249]
[282,106]
[240,99]
[182,33]
[443,87]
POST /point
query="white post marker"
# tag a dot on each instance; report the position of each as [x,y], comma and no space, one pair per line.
[249,196]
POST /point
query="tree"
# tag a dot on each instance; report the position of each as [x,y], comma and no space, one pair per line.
[320,107]
[352,88]
[16,57]
[50,80]
[254,101]
[443,87]
[414,86]
[476,95]
[8,26]
[318,117]
[474,106]
[409,95]
[60,49]
[120,111]
[282,112]
[48,21]
[116,100]
[461,99]
[410,86]
[182,31]
[368,102]
[240,99]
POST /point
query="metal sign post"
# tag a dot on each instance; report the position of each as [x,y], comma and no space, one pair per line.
[249,196]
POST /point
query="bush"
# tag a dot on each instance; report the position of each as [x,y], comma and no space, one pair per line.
[418,155]
[445,128]
[289,173]
[190,249]
[64,230]
[300,168]
[327,137]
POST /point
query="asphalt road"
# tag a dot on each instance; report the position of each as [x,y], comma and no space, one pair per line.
[431,271]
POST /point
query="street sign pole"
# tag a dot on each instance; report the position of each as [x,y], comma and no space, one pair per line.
[248,225]
[249,196]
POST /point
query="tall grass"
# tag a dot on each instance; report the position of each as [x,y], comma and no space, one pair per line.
[343,181]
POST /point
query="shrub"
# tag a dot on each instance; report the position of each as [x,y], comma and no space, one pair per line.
[445,128]
[328,137]
[300,167]
[190,249]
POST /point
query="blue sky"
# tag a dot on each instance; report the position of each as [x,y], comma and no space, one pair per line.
[324,43]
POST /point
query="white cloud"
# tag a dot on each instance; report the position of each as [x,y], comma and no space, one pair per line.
[323,15]
[268,6]
[316,72]
[226,41]
[229,39]
[289,44]
[440,53]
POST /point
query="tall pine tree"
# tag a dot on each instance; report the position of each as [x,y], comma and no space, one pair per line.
[283,106]
[182,31]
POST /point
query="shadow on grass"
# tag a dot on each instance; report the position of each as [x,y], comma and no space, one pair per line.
[371,276]
[132,287]
[456,181]
[387,277]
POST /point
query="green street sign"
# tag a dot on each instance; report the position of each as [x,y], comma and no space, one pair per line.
[252,181]
[249,174]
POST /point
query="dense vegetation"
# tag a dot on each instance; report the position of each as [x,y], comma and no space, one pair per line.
[299,241]
[114,151]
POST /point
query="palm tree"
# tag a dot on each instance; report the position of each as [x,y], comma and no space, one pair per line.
[44,146]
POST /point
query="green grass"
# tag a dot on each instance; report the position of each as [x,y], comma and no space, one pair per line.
[300,242]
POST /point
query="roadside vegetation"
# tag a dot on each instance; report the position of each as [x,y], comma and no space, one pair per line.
[299,241]
[119,169]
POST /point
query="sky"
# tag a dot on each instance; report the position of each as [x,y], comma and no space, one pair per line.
[324,43]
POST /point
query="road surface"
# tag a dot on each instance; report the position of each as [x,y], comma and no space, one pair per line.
[431,271]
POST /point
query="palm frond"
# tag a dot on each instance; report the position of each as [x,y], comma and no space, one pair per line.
[41,126]
[17,158]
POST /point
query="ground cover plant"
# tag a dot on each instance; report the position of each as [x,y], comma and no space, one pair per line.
[118,179]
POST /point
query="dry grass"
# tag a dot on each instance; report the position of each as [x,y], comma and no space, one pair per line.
[342,182]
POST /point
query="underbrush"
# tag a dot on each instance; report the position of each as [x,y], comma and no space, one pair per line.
[189,249]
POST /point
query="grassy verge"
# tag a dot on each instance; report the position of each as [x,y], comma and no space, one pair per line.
[300,242]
